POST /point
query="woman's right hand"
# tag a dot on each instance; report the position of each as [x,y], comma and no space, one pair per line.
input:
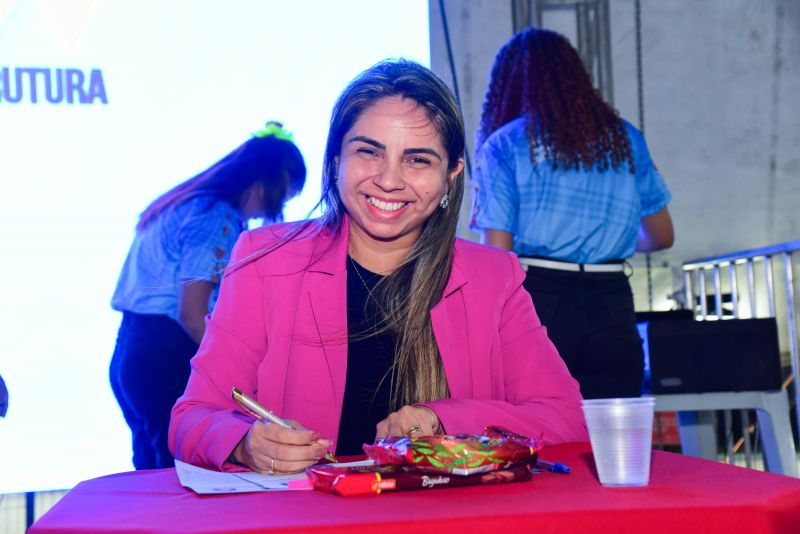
[273,449]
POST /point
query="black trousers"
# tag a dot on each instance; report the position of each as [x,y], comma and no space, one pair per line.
[149,371]
[590,319]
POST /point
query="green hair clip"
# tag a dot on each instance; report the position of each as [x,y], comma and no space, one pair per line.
[275,129]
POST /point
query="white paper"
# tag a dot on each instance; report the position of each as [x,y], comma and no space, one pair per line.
[205,481]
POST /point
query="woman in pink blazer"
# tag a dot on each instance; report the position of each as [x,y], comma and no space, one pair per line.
[374,320]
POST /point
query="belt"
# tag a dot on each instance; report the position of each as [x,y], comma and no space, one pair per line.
[574,267]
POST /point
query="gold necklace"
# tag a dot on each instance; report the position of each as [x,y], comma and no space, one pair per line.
[366,286]
[358,273]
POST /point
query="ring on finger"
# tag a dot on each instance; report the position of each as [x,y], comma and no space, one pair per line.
[413,430]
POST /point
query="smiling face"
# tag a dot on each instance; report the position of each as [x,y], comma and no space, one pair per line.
[393,171]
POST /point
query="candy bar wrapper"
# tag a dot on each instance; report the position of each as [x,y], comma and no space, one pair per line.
[376,479]
[496,449]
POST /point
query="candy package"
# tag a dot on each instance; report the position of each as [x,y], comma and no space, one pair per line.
[494,450]
[376,479]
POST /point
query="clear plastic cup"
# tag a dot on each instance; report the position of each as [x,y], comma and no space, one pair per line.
[621,432]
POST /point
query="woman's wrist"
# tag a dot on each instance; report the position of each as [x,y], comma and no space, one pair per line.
[232,459]
[237,455]
[436,425]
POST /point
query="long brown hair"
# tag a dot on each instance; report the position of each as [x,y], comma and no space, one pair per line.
[276,163]
[407,294]
[539,75]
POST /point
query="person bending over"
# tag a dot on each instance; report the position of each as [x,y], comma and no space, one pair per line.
[170,279]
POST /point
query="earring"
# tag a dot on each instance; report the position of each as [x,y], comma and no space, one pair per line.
[444,202]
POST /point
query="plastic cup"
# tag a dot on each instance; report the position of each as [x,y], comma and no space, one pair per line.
[621,432]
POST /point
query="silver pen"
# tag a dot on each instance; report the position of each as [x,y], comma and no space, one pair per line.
[256,410]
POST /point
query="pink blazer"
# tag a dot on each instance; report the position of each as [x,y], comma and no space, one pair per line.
[279,333]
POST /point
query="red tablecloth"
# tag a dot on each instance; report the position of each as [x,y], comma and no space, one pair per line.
[685,495]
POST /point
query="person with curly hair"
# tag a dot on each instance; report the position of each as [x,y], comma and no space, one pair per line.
[568,185]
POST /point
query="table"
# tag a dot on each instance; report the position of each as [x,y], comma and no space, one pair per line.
[686,494]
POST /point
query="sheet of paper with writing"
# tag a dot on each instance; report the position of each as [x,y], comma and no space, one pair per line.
[206,481]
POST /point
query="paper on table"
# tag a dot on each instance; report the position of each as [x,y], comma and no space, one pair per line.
[205,481]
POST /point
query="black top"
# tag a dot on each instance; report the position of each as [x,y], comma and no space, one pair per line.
[369,361]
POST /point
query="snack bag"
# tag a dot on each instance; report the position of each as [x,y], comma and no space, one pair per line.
[494,450]
[376,479]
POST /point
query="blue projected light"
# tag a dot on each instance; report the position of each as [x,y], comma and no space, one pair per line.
[642,329]
[103,106]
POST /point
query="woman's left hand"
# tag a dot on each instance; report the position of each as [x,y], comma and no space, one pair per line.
[409,421]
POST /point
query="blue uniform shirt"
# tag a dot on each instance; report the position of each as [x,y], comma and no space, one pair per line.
[191,242]
[572,215]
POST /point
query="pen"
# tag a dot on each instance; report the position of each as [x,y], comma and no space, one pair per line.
[553,467]
[256,410]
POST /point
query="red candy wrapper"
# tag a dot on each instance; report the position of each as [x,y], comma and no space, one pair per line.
[376,479]
[495,450]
